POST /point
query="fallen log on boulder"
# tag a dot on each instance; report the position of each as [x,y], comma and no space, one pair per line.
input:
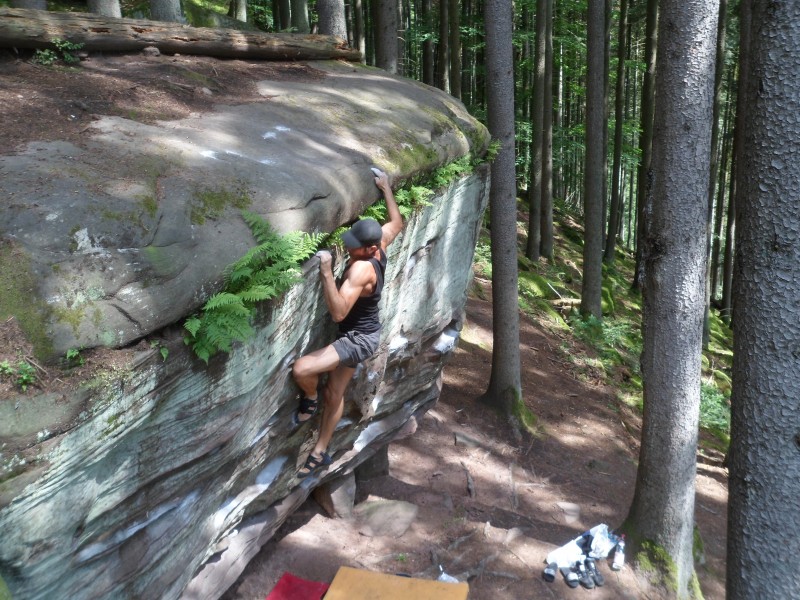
[24,28]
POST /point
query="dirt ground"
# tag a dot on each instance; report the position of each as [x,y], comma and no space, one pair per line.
[528,496]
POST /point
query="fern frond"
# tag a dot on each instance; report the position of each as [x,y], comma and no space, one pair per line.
[221,299]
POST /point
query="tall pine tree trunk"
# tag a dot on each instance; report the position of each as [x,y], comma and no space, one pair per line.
[442,49]
[385,15]
[546,246]
[646,139]
[537,120]
[619,104]
[331,18]
[764,518]
[592,282]
[674,293]
[299,18]
[454,10]
[504,389]
[427,45]
[166,10]
[107,8]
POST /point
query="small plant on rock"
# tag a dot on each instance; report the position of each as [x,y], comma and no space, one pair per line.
[26,375]
[263,273]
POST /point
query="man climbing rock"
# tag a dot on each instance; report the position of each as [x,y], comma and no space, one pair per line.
[354,305]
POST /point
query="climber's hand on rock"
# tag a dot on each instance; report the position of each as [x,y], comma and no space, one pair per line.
[325,259]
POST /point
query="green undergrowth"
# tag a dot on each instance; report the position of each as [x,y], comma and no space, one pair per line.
[607,350]
[266,271]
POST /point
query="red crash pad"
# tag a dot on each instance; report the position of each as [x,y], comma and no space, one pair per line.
[290,587]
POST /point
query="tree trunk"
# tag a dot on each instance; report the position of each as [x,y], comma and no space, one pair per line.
[22,29]
[537,118]
[239,10]
[105,8]
[592,282]
[454,11]
[166,10]
[619,122]
[427,45]
[646,140]
[331,18]
[712,182]
[546,247]
[721,188]
[286,15]
[299,18]
[442,50]
[765,421]
[359,35]
[505,380]
[385,16]
[674,292]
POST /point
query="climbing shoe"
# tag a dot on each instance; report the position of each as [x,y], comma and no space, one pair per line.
[591,567]
[584,578]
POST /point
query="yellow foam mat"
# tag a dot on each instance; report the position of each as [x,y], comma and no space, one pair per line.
[355,584]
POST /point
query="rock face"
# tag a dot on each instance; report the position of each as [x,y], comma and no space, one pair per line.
[165,479]
[131,231]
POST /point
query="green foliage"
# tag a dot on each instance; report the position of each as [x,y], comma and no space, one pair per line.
[74,357]
[264,272]
[162,350]
[23,374]
[63,50]
[6,370]
[715,411]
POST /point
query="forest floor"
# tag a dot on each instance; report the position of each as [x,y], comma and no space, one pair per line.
[529,496]
[489,504]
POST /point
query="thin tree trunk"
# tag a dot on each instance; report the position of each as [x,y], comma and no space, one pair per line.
[537,120]
[427,45]
[619,104]
[592,282]
[674,292]
[286,15]
[643,180]
[712,182]
[721,187]
[546,249]
[454,11]
[727,264]
[385,16]
[300,16]
[504,389]
[358,29]
[442,50]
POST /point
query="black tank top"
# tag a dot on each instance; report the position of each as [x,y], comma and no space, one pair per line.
[363,317]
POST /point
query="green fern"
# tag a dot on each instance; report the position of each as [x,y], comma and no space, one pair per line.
[263,273]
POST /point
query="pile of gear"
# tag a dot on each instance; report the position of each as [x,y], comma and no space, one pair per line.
[577,559]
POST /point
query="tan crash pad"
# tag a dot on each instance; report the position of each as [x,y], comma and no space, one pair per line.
[355,584]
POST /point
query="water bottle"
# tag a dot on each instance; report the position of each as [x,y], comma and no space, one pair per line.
[619,555]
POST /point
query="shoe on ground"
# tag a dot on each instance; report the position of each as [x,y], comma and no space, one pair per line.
[591,567]
[584,578]
[570,576]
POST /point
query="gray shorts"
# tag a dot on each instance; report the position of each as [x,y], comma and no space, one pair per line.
[354,347]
